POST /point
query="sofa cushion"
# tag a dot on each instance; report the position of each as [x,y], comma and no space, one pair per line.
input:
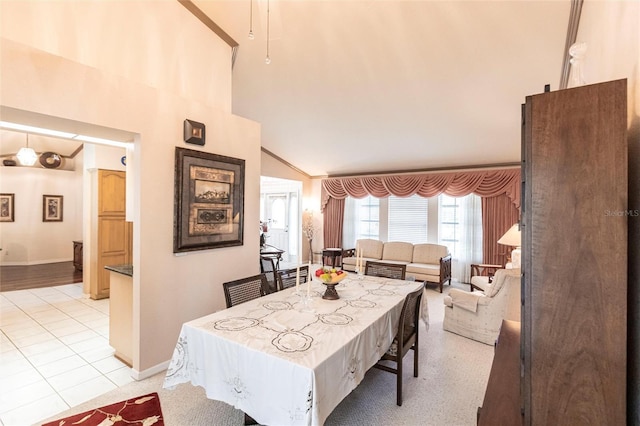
[480,281]
[397,251]
[370,248]
[429,253]
[423,268]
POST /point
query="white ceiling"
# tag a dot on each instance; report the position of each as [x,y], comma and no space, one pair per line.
[388,85]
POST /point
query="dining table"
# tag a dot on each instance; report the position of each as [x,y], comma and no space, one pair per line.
[290,357]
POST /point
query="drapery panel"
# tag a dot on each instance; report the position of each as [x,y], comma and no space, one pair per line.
[488,183]
[498,215]
[333,222]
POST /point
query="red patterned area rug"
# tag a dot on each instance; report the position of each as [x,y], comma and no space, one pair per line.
[140,411]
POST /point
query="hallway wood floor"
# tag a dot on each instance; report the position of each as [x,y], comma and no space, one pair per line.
[37,276]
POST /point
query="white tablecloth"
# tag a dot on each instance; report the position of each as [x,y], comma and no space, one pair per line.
[285,364]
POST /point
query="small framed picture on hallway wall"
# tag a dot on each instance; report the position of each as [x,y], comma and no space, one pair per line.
[52,208]
[6,207]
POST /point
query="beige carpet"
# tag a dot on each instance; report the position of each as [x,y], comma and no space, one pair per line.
[453,376]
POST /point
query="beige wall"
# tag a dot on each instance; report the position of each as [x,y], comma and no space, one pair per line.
[611,30]
[28,240]
[143,68]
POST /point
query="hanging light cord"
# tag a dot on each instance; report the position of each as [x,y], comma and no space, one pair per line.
[251,20]
[268,59]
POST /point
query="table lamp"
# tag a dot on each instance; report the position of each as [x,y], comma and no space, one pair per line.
[512,238]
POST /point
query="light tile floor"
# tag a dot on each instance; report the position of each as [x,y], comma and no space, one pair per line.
[54,353]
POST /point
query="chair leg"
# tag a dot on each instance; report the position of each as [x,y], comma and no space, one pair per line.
[415,359]
[399,381]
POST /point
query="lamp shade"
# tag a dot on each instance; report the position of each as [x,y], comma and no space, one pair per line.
[511,237]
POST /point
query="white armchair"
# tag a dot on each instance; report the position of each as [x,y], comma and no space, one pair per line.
[479,314]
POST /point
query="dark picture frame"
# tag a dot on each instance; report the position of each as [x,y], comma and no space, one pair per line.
[193,132]
[7,209]
[209,201]
[52,208]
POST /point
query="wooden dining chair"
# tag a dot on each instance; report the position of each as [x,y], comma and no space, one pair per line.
[406,339]
[287,277]
[269,269]
[386,270]
[245,289]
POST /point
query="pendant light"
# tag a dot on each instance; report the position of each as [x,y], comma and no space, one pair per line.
[27,156]
[267,60]
[251,36]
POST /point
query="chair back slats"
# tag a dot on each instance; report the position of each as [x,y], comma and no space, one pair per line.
[268,268]
[245,289]
[387,270]
[287,277]
[410,316]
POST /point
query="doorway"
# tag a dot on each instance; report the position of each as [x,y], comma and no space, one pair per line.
[72,156]
[280,204]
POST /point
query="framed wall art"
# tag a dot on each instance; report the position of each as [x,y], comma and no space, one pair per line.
[6,207]
[209,201]
[193,132]
[52,208]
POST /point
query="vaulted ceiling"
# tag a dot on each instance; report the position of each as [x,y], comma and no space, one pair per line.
[378,86]
[389,85]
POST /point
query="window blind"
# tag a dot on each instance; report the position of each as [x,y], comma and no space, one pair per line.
[408,218]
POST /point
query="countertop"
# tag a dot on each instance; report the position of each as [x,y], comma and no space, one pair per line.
[122,269]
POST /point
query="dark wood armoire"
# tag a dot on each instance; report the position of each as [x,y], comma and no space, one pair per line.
[574,228]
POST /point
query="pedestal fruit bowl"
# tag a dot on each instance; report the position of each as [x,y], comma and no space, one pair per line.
[330,277]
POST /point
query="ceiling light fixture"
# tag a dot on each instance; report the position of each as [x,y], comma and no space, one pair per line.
[101,141]
[267,60]
[251,36]
[27,156]
[38,130]
[62,135]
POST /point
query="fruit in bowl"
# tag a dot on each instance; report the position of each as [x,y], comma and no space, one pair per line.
[330,276]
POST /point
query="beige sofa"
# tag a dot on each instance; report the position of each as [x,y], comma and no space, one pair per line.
[478,315]
[425,262]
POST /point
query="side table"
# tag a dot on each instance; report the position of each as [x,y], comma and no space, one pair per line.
[333,253]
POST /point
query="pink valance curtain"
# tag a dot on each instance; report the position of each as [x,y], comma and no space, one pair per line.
[502,183]
[456,184]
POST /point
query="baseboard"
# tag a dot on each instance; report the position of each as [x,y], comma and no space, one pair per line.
[144,374]
[34,262]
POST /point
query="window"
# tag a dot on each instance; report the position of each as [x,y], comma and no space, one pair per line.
[449,216]
[455,222]
[368,217]
[460,229]
[387,219]
[407,220]
[361,220]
